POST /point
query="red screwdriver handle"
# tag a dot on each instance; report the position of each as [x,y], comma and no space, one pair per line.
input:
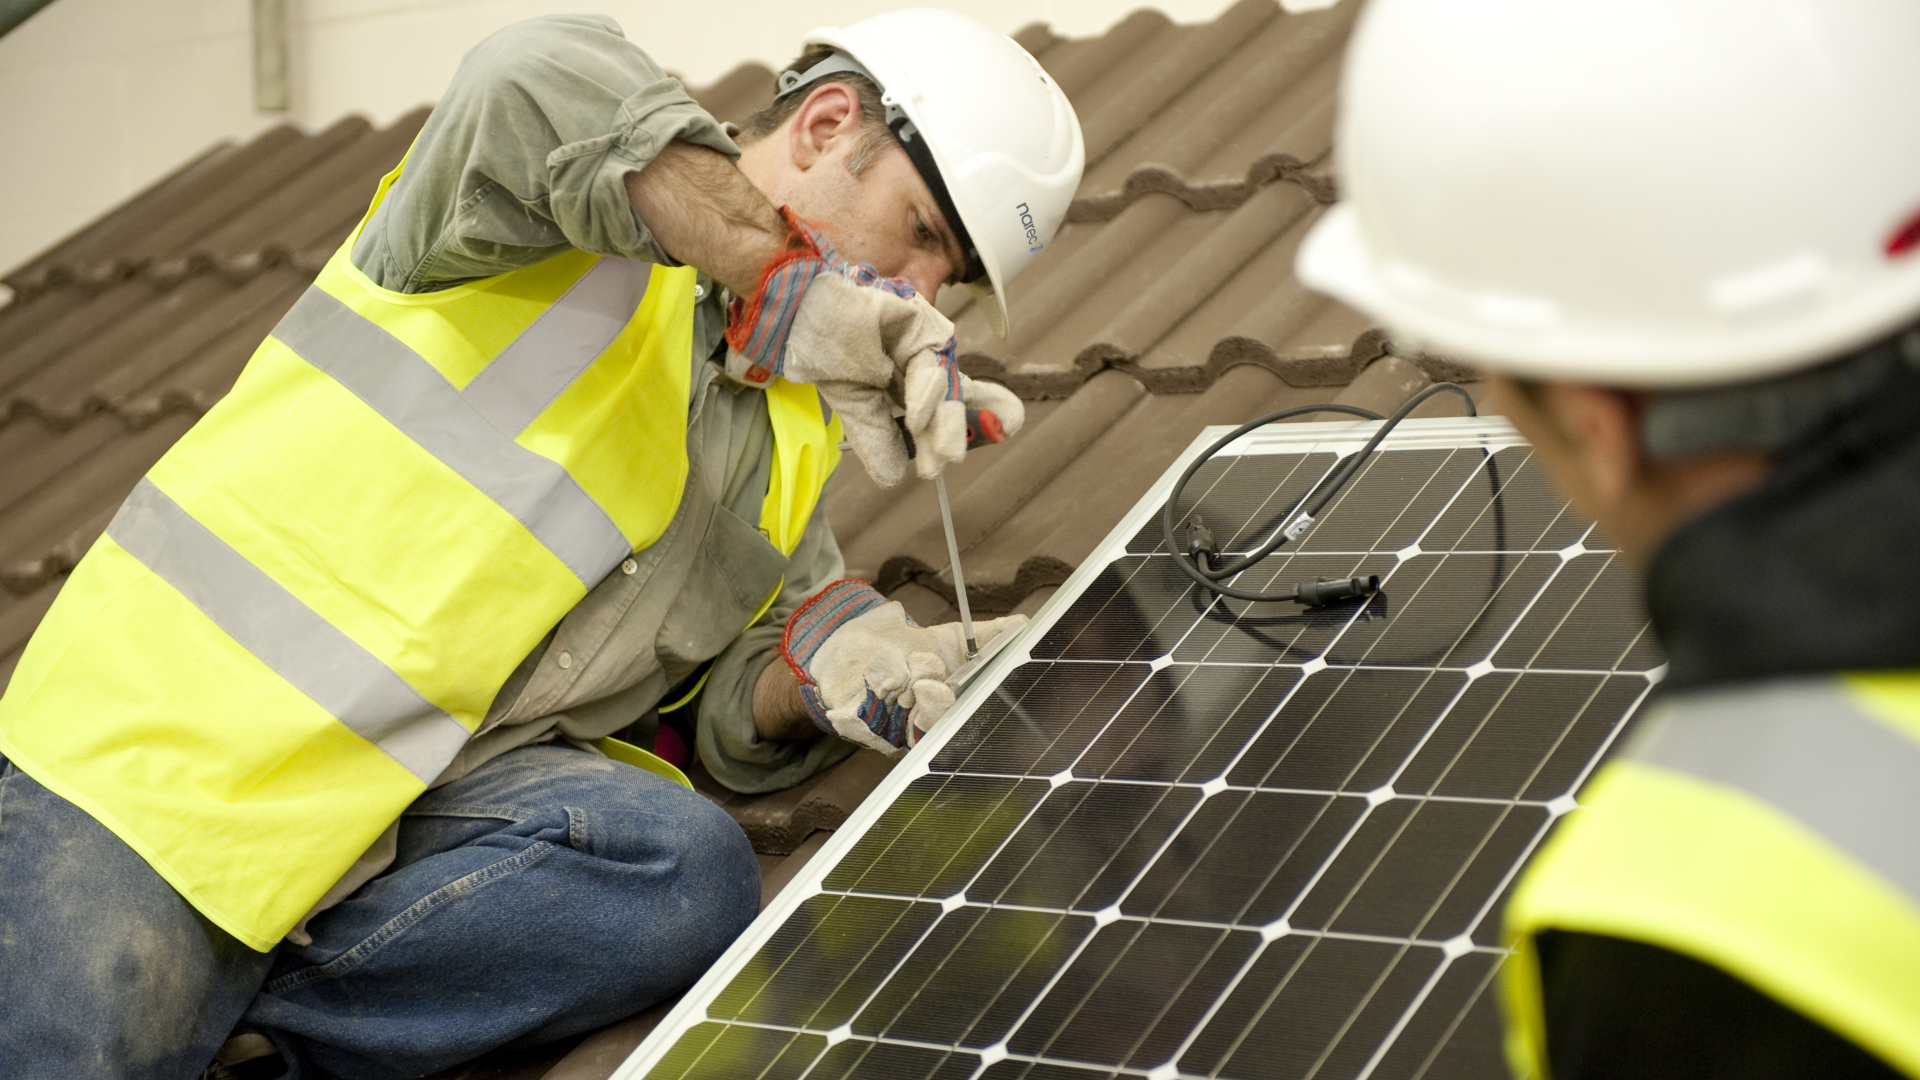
[983,428]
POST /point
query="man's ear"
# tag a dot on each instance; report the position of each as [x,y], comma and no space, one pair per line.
[831,112]
[1603,426]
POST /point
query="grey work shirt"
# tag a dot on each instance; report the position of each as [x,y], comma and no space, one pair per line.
[525,156]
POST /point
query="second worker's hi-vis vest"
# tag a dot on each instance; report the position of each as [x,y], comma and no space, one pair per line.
[305,609]
[1772,831]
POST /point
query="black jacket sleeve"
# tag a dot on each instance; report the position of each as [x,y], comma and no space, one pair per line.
[1623,1010]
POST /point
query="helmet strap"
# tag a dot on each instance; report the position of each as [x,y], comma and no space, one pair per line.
[837,64]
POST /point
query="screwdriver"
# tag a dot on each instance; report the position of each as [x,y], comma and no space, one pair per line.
[983,428]
[953,557]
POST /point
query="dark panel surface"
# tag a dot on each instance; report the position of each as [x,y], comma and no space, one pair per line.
[1225,839]
[1134,992]
[968,981]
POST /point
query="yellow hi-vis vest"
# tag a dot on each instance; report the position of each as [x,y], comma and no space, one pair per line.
[1772,831]
[305,609]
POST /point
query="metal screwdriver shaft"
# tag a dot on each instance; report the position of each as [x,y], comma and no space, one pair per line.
[953,558]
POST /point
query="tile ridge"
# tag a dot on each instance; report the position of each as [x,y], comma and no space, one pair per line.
[1229,351]
[168,273]
[1151,178]
[27,576]
[136,413]
[1036,572]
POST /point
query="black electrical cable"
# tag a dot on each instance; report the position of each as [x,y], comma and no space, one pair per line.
[1298,518]
[1255,627]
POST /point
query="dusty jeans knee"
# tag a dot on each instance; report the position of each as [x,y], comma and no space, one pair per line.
[104,970]
[547,893]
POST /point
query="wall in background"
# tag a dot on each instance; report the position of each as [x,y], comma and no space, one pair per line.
[99,98]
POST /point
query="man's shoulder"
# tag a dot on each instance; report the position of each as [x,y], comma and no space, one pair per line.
[537,48]
[562,28]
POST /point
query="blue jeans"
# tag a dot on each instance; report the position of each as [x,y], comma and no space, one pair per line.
[547,893]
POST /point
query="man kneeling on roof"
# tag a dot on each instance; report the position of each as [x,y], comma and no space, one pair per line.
[315,739]
[1684,235]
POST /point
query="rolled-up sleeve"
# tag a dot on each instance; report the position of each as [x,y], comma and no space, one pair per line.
[527,155]
[730,745]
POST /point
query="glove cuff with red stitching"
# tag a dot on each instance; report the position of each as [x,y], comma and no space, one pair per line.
[809,628]
[759,329]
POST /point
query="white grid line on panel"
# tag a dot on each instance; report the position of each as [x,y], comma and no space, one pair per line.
[1406,1017]
[1157,553]
[1311,667]
[1613,735]
[1100,918]
[1207,787]
[1015,972]
[1427,1063]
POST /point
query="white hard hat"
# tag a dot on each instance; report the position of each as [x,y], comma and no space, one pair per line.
[993,136]
[1637,192]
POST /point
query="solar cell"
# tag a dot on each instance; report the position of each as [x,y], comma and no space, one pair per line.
[1167,834]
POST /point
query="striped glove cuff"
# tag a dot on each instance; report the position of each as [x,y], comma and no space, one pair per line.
[758,329]
[810,627]
[949,362]
[892,724]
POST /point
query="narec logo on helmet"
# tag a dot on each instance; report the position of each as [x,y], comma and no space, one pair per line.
[1033,231]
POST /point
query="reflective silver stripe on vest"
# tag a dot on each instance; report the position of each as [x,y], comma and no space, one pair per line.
[567,337]
[285,634]
[413,396]
[1805,748]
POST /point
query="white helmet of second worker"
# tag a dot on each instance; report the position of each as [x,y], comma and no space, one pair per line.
[1653,193]
[988,129]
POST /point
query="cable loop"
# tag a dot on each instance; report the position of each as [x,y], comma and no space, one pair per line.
[1304,513]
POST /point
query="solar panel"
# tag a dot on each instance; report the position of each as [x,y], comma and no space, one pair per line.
[1168,835]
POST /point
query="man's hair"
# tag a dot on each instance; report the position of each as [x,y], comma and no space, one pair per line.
[1777,413]
[1772,414]
[874,138]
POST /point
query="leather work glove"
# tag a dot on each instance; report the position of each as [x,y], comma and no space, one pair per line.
[871,346]
[868,672]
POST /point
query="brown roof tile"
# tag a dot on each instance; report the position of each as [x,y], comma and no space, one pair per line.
[1209,113]
[739,93]
[780,822]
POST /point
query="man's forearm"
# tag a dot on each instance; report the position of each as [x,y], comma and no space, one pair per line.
[779,713]
[705,213]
